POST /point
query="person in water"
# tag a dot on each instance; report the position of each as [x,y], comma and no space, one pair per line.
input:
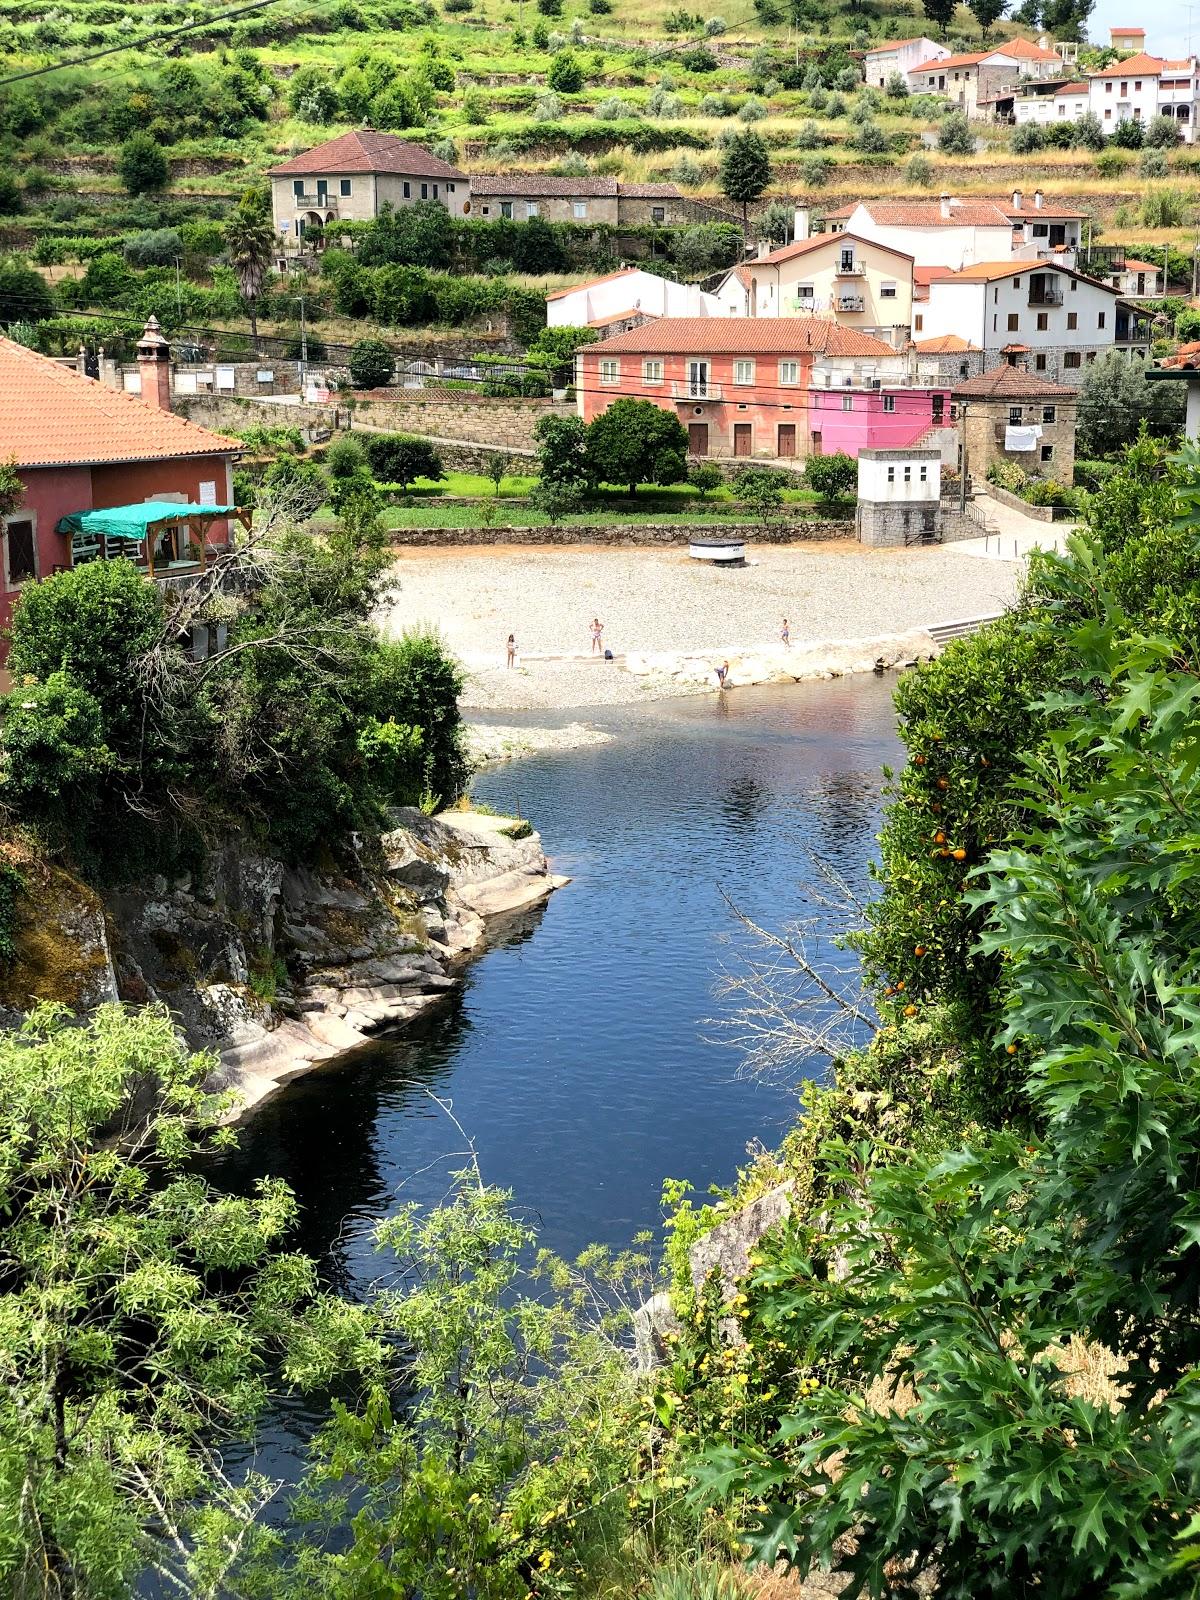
[786,635]
[511,647]
[597,631]
[722,673]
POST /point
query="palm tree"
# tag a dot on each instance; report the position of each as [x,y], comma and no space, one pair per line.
[250,249]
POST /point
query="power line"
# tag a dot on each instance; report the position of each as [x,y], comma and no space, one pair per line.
[137,44]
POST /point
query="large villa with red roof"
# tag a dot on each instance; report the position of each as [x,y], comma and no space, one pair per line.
[763,387]
[80,447]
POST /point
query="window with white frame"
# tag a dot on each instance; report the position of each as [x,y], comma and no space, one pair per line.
[610,370]
[847,402]
[506,209]
[805,291]
[789,372]
[20,550]
[889,402]
[652,371]
[743,372]
[887,289]
[579,210]
[531,209]
[1049,414]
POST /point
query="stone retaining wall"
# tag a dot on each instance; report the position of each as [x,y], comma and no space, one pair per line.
[627,533]
[1005,497]
[441,413]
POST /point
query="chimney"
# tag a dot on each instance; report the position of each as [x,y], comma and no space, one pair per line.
[81,362]
[1017,198]
[764,249]
[154,364]
[1037,199]
[801,228]
[944,202]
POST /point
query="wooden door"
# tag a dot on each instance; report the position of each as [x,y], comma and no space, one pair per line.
[741,438]
[698,438]
[787,439]
[816,444]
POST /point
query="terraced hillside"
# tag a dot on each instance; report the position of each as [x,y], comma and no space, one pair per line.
[606,87]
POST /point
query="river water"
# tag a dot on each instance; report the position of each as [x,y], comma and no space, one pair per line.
[579,1054]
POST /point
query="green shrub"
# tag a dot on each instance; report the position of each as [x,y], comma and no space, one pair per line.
[833,477]
[372,364]
[12,882]
[565,75]
[400,458]
[955,137]
[142,165]
[344,457]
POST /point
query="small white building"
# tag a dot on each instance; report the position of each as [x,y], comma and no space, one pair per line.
[1066,102]
[898,55]
[1041,228]
[899,496]
[626,295]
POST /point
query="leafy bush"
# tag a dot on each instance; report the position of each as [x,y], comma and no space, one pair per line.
[155,247]
[635,441]
[833,477]
[1163,133]
[1128,134]
[698,59]
[565,75]
[142,165]
[344,457]
[1026,139]
[705,477]
[920,171]
[1166,208]
[400,458]
[761,489]
[955,137]
[372,364]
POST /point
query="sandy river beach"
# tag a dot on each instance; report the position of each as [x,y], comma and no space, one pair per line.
[660,600]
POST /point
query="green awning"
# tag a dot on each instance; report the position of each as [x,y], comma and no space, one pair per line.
[134,522]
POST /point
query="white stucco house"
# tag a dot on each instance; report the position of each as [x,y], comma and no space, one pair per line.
[624,295]
[935,233]
[881,60]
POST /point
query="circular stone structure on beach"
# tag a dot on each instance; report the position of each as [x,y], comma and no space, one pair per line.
[725,552]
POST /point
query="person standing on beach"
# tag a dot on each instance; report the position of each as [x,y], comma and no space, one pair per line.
[597,636]
[512,651]
[786,635]
[722,673]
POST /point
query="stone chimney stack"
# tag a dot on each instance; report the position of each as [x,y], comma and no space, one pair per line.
[801,226]
[154,364]
[944,202]
[1038,198]
[764,248]
[1017,198]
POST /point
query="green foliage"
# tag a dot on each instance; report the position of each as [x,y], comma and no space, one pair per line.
[761,489]
[565,75]
[635,441]
[12,882]
[1163,133]
[1165,208]
[705,477]
[399,458]
[954,135]
[1128,134]
[833,477]
[1026,139]
[25,296]
[745,169]
[142,165]
[371,364]
[55,755]
[141,1310]
[345,456]
[564,468]
[1116,398]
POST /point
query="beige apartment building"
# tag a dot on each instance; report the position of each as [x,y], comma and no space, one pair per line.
[352,178]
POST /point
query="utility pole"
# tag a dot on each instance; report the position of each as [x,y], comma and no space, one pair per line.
[178,298]
[962,458]
[303,344]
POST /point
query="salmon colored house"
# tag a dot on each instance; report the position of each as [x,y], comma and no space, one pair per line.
[81,447]
[764,387]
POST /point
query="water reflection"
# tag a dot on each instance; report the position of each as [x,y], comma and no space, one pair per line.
[576,1054]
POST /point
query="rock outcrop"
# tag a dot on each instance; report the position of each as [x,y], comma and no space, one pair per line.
[836,658]
[275,968]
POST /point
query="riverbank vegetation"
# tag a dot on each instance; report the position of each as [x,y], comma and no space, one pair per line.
[966,1358]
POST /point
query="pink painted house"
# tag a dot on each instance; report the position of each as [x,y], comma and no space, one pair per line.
[80,446]
[767,388]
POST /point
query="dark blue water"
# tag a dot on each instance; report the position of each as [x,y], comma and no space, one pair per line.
[578,1054]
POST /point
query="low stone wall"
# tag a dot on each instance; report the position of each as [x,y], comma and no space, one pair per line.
[1005,497]
[627,533]
[440,413]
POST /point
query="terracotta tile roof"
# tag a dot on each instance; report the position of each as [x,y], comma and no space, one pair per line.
[1029,208]
[944,344]
[1140,266]
[621,316]
[1185,359]
[51,417]
[1015,349]
[971,59]
[1140,65]
[993,271]
[842,212]
[744,335]
[928,214]
[364,151]
[1005,382]
[1115,33]
[1026,50]
[608,277]
[804,247]
[1071,88]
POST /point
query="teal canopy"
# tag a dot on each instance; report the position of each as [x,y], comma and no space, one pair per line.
[134,522]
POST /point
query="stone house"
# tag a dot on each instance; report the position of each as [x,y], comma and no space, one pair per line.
[352,178]
[82,446]
[763,387]
[946,359]
[1021,417]
[857,282]
[521,195]
[899,496]
[1043,316]
[975,78]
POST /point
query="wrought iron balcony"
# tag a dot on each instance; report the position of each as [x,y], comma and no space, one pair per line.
[696,390]
[850,302]
[1045,297]
[314,202]
[855,269]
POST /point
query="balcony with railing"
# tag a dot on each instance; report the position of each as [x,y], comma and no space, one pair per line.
[319,201]
[696,389]
[851,269]
[849,302]
[1050,296]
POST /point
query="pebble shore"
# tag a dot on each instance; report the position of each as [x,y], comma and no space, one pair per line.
[660,600]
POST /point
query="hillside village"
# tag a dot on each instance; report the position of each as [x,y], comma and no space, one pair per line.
[590,591]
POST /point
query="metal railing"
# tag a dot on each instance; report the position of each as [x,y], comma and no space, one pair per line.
[849,302]
[314,202]
[855,269]
[696,391]
[1047,297]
